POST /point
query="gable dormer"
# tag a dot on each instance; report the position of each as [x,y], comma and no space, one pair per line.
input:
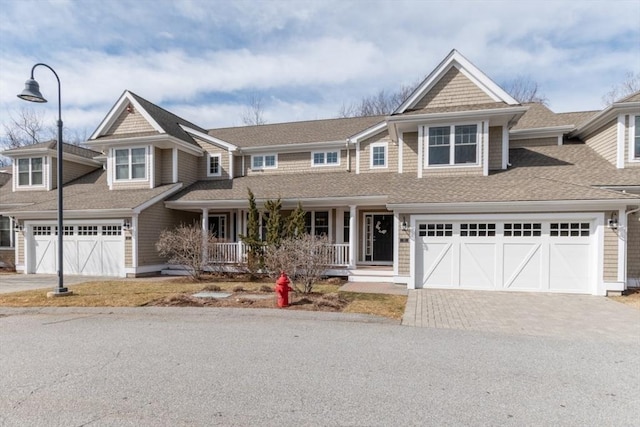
[614,132]
[145,146]
[455,122]
[35,166]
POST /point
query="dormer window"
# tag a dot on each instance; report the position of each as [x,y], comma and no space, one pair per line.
[264,161]
[214,167]
[131,163]
[378,155]
[30,172]
[463,151]
[322,158]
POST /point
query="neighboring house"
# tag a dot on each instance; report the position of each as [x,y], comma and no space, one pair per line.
[461,187]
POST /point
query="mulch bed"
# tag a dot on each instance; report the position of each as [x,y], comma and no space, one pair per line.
[313,301]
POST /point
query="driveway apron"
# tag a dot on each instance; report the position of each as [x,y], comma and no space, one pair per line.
[541,314]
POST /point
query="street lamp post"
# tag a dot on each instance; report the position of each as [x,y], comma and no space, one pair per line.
[32,93]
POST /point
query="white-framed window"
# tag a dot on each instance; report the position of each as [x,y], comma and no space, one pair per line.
[636,138]
[317,223]
[218,226]
[264,161]
[452,145]
[214,165]
[6,232]
[325,158]
[130,163]
[30,171]
[379,155]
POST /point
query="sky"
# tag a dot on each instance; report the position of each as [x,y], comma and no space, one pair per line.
[205,59]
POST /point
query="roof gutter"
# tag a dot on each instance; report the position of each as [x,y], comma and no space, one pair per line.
[605,115]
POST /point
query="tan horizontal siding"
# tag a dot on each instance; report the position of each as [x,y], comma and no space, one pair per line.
[73,170]
[495,147]
[532,142]
[453,89]
[410,153]
[297,163]
[365,154]
[187,168]
[453,171]
[633,247]
[629,138]
[610,272]
[404,252]
[166,167]
[130,123]
[604,141]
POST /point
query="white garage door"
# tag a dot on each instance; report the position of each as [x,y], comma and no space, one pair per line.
[547,256]
[89,250]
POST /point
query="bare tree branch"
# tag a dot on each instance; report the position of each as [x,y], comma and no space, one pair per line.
[524,90]
[381,103]
[254,111]
[630,85]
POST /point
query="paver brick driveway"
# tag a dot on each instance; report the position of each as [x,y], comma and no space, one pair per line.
[542,314]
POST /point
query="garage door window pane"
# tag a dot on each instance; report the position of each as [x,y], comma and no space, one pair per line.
[569,229]
[477,230]
[522,229]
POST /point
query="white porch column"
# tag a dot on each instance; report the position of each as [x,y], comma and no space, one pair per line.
[205,229]
[239,228]
[353,244]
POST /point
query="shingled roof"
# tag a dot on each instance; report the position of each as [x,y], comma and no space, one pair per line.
[296,132]
[53,145]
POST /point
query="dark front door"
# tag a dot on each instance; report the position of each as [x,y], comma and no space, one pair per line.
[382,231]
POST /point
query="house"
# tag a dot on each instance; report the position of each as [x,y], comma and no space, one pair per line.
[461,187]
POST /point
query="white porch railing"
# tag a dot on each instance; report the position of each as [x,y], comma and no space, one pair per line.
[236,253]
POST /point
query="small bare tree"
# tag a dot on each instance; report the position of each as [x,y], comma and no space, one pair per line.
[630,85]
[524,90]
[254,112]
[303,258]
[381,103]
[184,245]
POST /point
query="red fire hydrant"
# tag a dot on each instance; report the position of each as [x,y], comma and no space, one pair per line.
[282,290]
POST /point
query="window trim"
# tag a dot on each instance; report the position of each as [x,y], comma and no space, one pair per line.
[264,157]
[324,159]
[385,145]
[130,164]
[30,172]
[209,158]
[11,231]
[634,133]
[452,145]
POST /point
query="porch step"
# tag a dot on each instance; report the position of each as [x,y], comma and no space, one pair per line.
[371,275]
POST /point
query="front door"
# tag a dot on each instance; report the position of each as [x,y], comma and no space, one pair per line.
[218,226]
[379,238]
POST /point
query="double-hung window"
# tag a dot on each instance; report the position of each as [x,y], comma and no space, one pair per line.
[328,158]
[214,168]
[263,161]
[131,163]
[379,155]
[30,171]
[453,145]
[6,239]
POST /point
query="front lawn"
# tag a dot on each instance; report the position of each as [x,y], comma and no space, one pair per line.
[179,292]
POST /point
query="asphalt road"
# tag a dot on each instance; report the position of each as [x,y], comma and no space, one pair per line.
[201,366]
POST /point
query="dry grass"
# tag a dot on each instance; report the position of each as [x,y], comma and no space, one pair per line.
[631,297]
[178,291]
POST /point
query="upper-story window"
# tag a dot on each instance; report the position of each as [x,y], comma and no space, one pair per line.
[463,151]
[131,163]
[379,155]
[328,158]
[264,161]
[636,151]
[30,171]
[214,168]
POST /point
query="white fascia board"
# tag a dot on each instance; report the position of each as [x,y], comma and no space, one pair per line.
[550,131]
[606,115]
[488,207]
[156,199]
[118,108]
[211,139]
[292,202]
[73,214]
[53,153]
[368,133]
[458,115]
[155,140]
[294,148]
[456,59]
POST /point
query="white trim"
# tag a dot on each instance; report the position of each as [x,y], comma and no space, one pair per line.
[485,148]
[45,171]
[174,161]
[396,242]
[400,151]
[353,239]
[383,144]
[209,157]
[118,108]
[152,166]
[230,165]
[134,271]
[480,135]
[369,132]
[264,156]
[510,206]
[620,143]
[622,244]
[210,139]
[633,156]
[420,150]
[293,147]
[324,158]
[147,165]
[157,198]
[357,157]
[134,240]
[505,147]
[605,116]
